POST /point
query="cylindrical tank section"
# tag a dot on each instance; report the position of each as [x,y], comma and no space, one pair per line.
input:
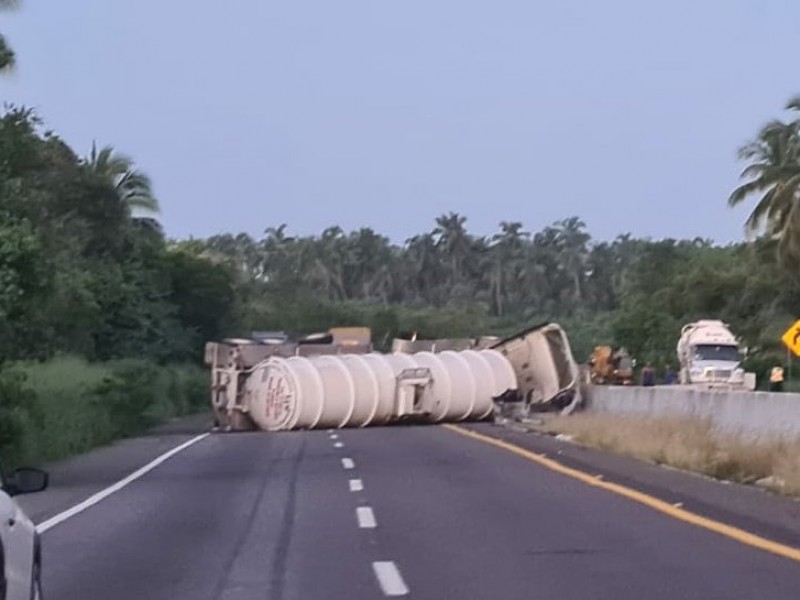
[352,390]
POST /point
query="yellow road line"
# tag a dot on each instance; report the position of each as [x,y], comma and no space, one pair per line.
[661,506]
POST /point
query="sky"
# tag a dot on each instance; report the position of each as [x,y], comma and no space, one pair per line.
[252,113]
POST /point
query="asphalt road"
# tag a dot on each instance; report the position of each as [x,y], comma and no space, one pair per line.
[420,511]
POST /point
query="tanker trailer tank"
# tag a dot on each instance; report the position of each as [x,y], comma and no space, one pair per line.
[334,391]
[463,384]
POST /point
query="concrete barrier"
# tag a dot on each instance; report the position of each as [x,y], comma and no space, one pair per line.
[733,412]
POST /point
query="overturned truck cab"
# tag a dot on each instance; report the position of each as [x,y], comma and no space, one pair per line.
[548,378]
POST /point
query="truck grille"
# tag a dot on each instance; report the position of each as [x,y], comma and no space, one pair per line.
[722,373]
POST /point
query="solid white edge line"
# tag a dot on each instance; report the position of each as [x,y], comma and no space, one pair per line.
[338,445]
[366,518]
[389,578]
[103,494]
[356,485]
[348,463]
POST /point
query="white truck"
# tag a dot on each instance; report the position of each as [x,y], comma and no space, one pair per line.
[710,356]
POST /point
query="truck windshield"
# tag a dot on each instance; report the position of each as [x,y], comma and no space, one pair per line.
[715,352]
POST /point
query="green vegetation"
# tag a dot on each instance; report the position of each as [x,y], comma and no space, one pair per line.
[774,172]
[67,406]
[628,291]
[87,272]
[7,56]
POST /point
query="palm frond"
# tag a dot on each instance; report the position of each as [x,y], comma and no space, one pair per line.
[746,189]
[107,163]
[760,214]
[134,180]
[136,202]
[149,224]
[793,103]
[781,206]
[7,56]
[134,188]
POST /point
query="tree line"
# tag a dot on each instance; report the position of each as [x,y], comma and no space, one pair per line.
[86,269]
[630,291]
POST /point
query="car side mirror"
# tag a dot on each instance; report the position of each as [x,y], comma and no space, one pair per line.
[27,481]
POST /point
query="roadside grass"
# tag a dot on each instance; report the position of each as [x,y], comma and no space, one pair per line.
[67,406]
[692,445]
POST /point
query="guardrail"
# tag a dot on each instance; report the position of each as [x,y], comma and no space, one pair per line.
[732,411]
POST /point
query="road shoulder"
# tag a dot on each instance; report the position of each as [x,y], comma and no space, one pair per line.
[75,479]
[746,507]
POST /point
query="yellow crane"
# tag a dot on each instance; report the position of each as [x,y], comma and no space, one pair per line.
[611,367]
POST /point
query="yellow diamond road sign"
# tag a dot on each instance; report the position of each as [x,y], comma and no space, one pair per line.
[792,338]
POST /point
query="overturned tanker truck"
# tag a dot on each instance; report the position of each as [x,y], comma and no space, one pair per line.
[336,380]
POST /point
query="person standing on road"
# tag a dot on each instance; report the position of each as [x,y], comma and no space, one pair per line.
[776,379]
[669,375]
[648,375]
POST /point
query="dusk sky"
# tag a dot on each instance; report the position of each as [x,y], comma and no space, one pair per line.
[252,113]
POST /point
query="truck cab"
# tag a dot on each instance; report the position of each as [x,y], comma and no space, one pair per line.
[711,356]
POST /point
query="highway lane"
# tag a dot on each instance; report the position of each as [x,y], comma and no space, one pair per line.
[235,516]
[467,520]
[368,513]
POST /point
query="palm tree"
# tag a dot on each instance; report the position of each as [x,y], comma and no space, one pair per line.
[454,240]
[423,267]
[133,187]
[366,268]
[573,245]
[328,261]
[625,250]
[279,257]
[505,258]
[773,172]
[240,252]
[7,56]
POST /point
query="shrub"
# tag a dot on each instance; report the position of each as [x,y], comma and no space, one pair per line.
[17,401]
[127,395]
[67,406]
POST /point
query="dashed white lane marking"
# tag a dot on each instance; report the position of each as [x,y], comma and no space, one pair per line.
[366,518]
[389,578]
[348,463]
[356,485]
[338,445]
[334,436]
[103,494]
